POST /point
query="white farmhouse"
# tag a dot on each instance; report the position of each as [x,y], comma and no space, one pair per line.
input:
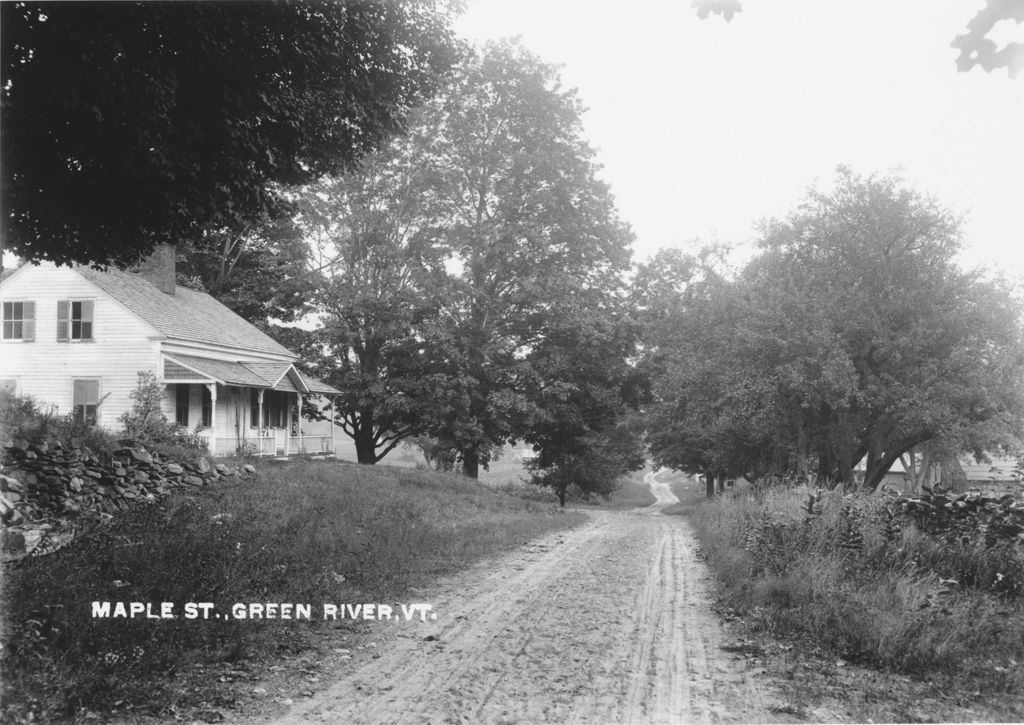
[75,338]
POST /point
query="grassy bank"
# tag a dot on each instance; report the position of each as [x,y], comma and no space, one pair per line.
[313,532]
[854,577]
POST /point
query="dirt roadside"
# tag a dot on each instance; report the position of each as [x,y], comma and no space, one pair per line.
[608,623]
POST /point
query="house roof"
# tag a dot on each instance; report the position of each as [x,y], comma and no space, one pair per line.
[186,315]
[223,371]
[254,375]
[318,386]
[177,371]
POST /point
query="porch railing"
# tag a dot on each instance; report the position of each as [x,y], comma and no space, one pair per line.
[256,446]
[271,445]
[311,444]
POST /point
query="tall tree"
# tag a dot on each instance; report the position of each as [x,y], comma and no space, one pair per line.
[134,123]
[378,281]
[586,393]
[530,229]
[455,256]
[853,336]
[688,313]
[932,349]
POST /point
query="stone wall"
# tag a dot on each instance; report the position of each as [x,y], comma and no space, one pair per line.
[50,493]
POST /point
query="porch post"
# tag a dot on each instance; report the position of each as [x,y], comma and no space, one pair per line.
[213,417]
[240,427]
[259,422]
[334,408]
[288,431]
[298,423]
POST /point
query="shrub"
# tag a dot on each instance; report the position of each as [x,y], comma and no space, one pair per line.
[147,424]
[22,416]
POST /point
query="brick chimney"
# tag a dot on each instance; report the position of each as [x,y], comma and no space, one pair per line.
[158,268]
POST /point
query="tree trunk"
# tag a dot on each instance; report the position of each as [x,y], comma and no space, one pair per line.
[709,484]
[844,467]
[561,496]
[801,451]
[471,463]
[953,476]
[873,476]
[778,461]
[366,451]
[826,465]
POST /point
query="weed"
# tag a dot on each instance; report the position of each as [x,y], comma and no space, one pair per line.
[921,589]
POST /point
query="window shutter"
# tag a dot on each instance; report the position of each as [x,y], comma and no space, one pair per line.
[28,329]
[87,307]
[62,320]
[8,332]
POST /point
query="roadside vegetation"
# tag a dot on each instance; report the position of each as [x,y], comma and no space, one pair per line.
[928,586]
[304,532]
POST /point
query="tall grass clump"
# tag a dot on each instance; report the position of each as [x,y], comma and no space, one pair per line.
[922,585]
[308,532]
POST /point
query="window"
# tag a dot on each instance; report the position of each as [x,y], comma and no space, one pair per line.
[19,321]
[207,407]
[86,400]
[74,320]
[9,386]
[181,392]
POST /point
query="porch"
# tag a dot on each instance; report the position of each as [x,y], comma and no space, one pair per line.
[245,408]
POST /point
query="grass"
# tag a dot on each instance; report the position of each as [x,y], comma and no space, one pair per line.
[847,581]
[508,469]
[307,532]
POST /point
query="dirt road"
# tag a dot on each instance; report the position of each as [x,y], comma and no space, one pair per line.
[607,623]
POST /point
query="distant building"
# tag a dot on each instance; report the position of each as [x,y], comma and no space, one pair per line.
[1001,470]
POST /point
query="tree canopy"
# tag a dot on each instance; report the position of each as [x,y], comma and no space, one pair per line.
[975,47]
[853,335]
[378,282]
[130,124]
[464,261]
[260,271]
[531,230]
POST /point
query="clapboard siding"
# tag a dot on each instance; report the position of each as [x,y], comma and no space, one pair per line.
[45,369]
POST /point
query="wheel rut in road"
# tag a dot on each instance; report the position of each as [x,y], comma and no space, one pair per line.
[608,623]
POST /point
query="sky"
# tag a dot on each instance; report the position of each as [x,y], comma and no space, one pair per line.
[705,127]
